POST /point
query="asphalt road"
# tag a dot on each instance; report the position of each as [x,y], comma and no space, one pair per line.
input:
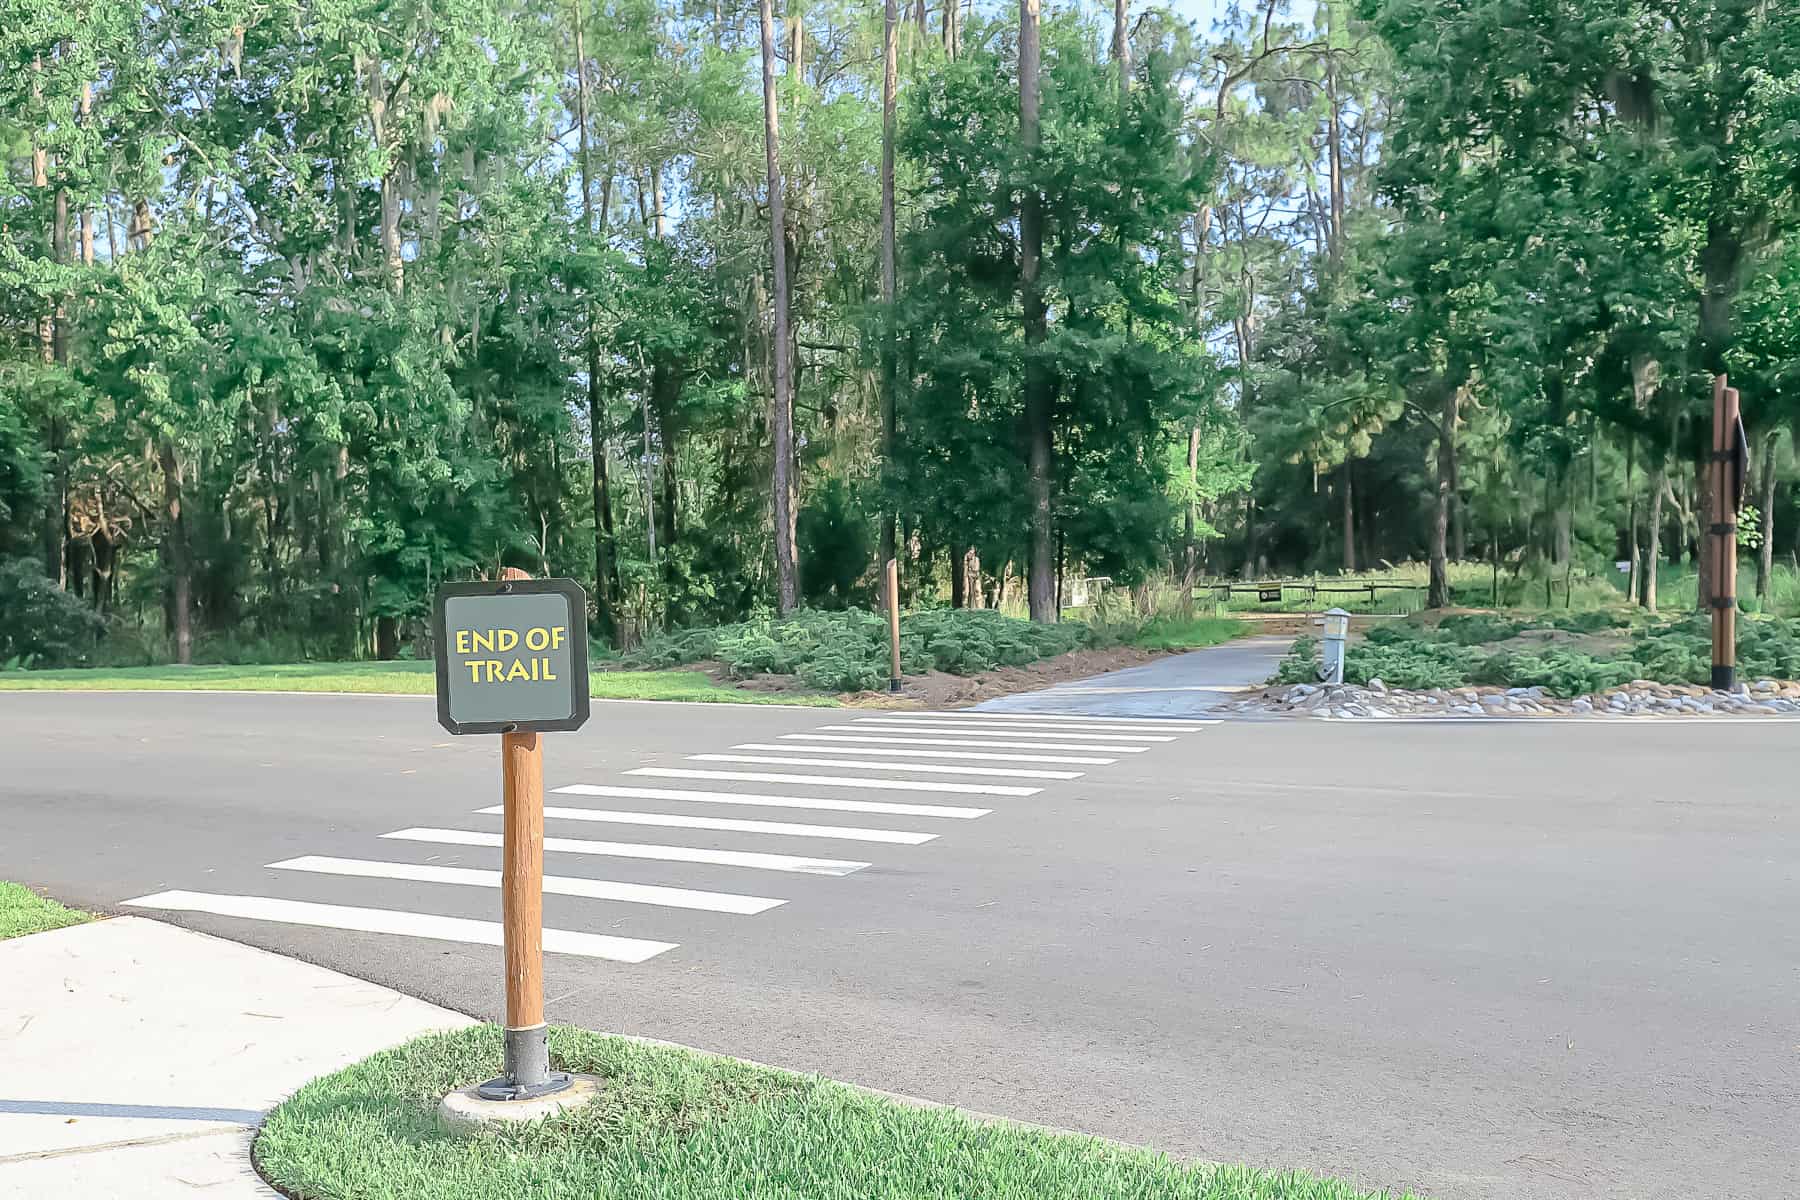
[1509,959]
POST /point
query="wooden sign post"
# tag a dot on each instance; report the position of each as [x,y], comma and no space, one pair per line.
[512,659]
[893,619]
[1730,466]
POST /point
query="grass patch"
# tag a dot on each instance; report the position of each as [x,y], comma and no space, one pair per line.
[411,678]
[1196,633]
[676,1125]
[23,911]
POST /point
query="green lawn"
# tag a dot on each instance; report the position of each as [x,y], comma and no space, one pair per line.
[1172,633]
[675,1125]
[23,911]
[408,677]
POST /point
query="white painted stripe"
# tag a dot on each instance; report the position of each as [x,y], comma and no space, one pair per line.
[406,924]
[891,785]
[690,854]
[848,833]
[914,741]
[865,765]
[879,807]
[877,725]
[560,885]
[1037,726]
[1018,758]
[966,713]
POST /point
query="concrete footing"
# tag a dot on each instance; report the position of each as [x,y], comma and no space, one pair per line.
[464,1112]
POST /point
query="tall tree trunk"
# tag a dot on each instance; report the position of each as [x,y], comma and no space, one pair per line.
[781,419]
[959,597]
[1439,592]
[605,579]
[1634,548]
[1459,533]
[1653,530]
[393,265]
[952,26]
[1765,553]
[1121,47]
[1349,517]
[1703,557]
[890,71]
[1190,519]
[85,110]
[1041,581]
[176,559]
[1335,135]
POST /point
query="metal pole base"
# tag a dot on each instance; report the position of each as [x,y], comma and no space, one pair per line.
[528,1074]
[1724,678]
[893,685]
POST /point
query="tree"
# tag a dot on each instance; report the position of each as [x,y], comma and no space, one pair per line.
[781,382]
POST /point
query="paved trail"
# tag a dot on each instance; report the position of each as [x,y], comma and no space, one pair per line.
[1181,685]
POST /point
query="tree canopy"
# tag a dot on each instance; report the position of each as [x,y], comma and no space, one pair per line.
[309,305]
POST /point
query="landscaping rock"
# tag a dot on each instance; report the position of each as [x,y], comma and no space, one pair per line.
[1378,701]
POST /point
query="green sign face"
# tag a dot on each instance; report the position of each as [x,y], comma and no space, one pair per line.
[511,656]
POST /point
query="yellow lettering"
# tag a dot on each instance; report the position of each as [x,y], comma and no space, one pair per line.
[474,666]
[537,639]
[462,642]
[508,638]
[546,666]
[556,637]
[517,671]
[481,641]
[493,666]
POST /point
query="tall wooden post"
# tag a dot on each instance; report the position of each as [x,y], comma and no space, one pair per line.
[522,906]
[893,616]
[1722,537]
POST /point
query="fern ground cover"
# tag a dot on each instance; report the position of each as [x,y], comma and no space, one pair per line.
[1495,650]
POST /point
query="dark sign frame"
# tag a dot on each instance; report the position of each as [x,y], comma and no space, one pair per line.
[578,651]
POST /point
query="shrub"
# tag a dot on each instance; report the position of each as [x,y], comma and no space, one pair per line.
[40,624]
[848,650]
[1302,662]
[1472,629]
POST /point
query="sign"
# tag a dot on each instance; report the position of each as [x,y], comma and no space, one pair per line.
[1269,595]
[511,656]
[1740,463]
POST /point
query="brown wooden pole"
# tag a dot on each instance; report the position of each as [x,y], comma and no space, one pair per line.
[522,877]
[893,616]
[527,1049]
[1721,545]
[1728,564]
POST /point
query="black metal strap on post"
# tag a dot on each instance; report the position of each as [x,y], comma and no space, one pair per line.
[1722,527]
[1724,601]
[1722,455]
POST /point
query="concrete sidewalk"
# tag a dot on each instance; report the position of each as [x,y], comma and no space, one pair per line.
[1182,685]
[136,1058]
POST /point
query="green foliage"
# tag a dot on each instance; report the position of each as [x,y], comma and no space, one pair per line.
[40,624]
[1459,653]
[848,651]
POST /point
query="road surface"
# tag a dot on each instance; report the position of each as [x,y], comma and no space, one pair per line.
[1518,960]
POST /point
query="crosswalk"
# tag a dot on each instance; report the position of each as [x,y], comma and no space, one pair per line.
[724,820]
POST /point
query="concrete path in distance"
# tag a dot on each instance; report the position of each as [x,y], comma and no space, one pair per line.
[140,1057]
[1181,685]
